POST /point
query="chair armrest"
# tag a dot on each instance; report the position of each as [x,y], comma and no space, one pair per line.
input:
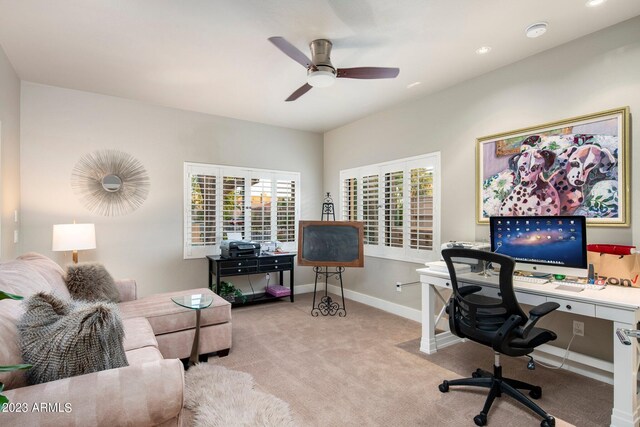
[151,393]
[543,309]
[128,289]
[535,314]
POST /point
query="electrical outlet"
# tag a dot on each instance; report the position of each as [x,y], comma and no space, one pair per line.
[398,286]
[578,328]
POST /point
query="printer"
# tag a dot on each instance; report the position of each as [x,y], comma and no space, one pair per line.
[481,246]
[239,249]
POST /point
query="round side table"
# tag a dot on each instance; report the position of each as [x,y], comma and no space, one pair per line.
[194,302]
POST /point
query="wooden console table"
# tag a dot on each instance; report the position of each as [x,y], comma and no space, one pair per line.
[226,267]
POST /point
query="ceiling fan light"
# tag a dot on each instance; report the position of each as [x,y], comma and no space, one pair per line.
[321,78]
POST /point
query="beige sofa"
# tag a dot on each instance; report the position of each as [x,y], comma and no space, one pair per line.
[147,392]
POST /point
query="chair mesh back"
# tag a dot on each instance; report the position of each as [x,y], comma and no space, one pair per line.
[475,316]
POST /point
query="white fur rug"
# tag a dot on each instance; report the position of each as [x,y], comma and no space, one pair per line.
[220,397]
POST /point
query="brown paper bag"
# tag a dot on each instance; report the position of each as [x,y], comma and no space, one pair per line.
[622,270]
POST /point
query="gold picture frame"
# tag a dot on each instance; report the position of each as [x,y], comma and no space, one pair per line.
[576,166]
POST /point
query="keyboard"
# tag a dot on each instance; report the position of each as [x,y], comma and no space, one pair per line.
[530,279]
[575,286]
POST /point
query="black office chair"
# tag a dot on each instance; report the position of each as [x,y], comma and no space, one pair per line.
[498,323]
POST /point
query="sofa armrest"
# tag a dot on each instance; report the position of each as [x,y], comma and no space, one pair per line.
[151,393]
[128,289]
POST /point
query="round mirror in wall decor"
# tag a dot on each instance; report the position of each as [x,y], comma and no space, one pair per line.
[110,182]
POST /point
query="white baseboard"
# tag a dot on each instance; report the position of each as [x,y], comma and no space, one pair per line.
[389,307]
[576,362]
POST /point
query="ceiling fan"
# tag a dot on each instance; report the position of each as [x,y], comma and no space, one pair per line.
[320,71]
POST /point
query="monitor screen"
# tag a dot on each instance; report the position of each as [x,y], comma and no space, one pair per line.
[550,241]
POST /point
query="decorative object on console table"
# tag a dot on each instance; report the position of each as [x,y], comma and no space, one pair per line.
[110,182]
[230,292]
[578,166]
[73,237]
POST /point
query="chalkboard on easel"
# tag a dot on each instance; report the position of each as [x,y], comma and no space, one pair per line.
[331,244]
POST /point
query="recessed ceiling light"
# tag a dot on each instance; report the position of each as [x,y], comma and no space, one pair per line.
[594,3]
[414,84]
[483,50]
[536,30]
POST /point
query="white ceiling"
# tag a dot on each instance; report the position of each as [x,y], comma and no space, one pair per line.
[213,56]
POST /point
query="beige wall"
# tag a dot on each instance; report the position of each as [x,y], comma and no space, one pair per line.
[60,125]
[9,155]
[591,74]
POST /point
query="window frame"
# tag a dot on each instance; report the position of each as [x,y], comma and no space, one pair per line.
[429,161]
[275,177]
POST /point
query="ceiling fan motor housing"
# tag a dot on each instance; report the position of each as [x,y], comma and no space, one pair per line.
[321,54]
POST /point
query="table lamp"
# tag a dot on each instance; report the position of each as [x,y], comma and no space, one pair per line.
[73,237]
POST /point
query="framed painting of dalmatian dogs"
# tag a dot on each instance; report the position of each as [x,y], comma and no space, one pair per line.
[577,166]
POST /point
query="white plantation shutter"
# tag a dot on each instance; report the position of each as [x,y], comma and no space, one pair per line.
[421,209]
[349,199]
[233,206]
[394,209]
[398,204]
[261,205]
[261,200]
[370,209]
[286,230]
[200,211]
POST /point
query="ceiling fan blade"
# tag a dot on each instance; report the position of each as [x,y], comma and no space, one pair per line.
[299,92]
[291,51]
[368,73]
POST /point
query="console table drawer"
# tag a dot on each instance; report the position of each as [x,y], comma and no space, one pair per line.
[239,270]
[265,267]
[238,263]
[575,307]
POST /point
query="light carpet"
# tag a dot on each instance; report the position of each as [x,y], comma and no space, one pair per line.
[218,396]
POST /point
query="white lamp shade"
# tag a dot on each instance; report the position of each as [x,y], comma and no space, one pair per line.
[73,237]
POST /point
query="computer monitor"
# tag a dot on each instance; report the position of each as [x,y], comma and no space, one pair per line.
[542,244]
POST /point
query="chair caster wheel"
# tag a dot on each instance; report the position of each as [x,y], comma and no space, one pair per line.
[549,422]
[444,387]
[480,419]
[536,393]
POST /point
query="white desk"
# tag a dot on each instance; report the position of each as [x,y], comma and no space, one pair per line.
[614,303]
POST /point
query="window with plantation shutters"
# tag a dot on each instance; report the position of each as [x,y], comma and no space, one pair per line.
[398,204]
[256,204]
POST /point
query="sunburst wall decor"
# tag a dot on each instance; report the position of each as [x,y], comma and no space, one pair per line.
[110,182]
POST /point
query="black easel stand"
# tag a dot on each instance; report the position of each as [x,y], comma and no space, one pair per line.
[326,306]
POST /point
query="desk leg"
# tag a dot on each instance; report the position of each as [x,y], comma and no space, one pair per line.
[431,341]
[428,342]
[625,411]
